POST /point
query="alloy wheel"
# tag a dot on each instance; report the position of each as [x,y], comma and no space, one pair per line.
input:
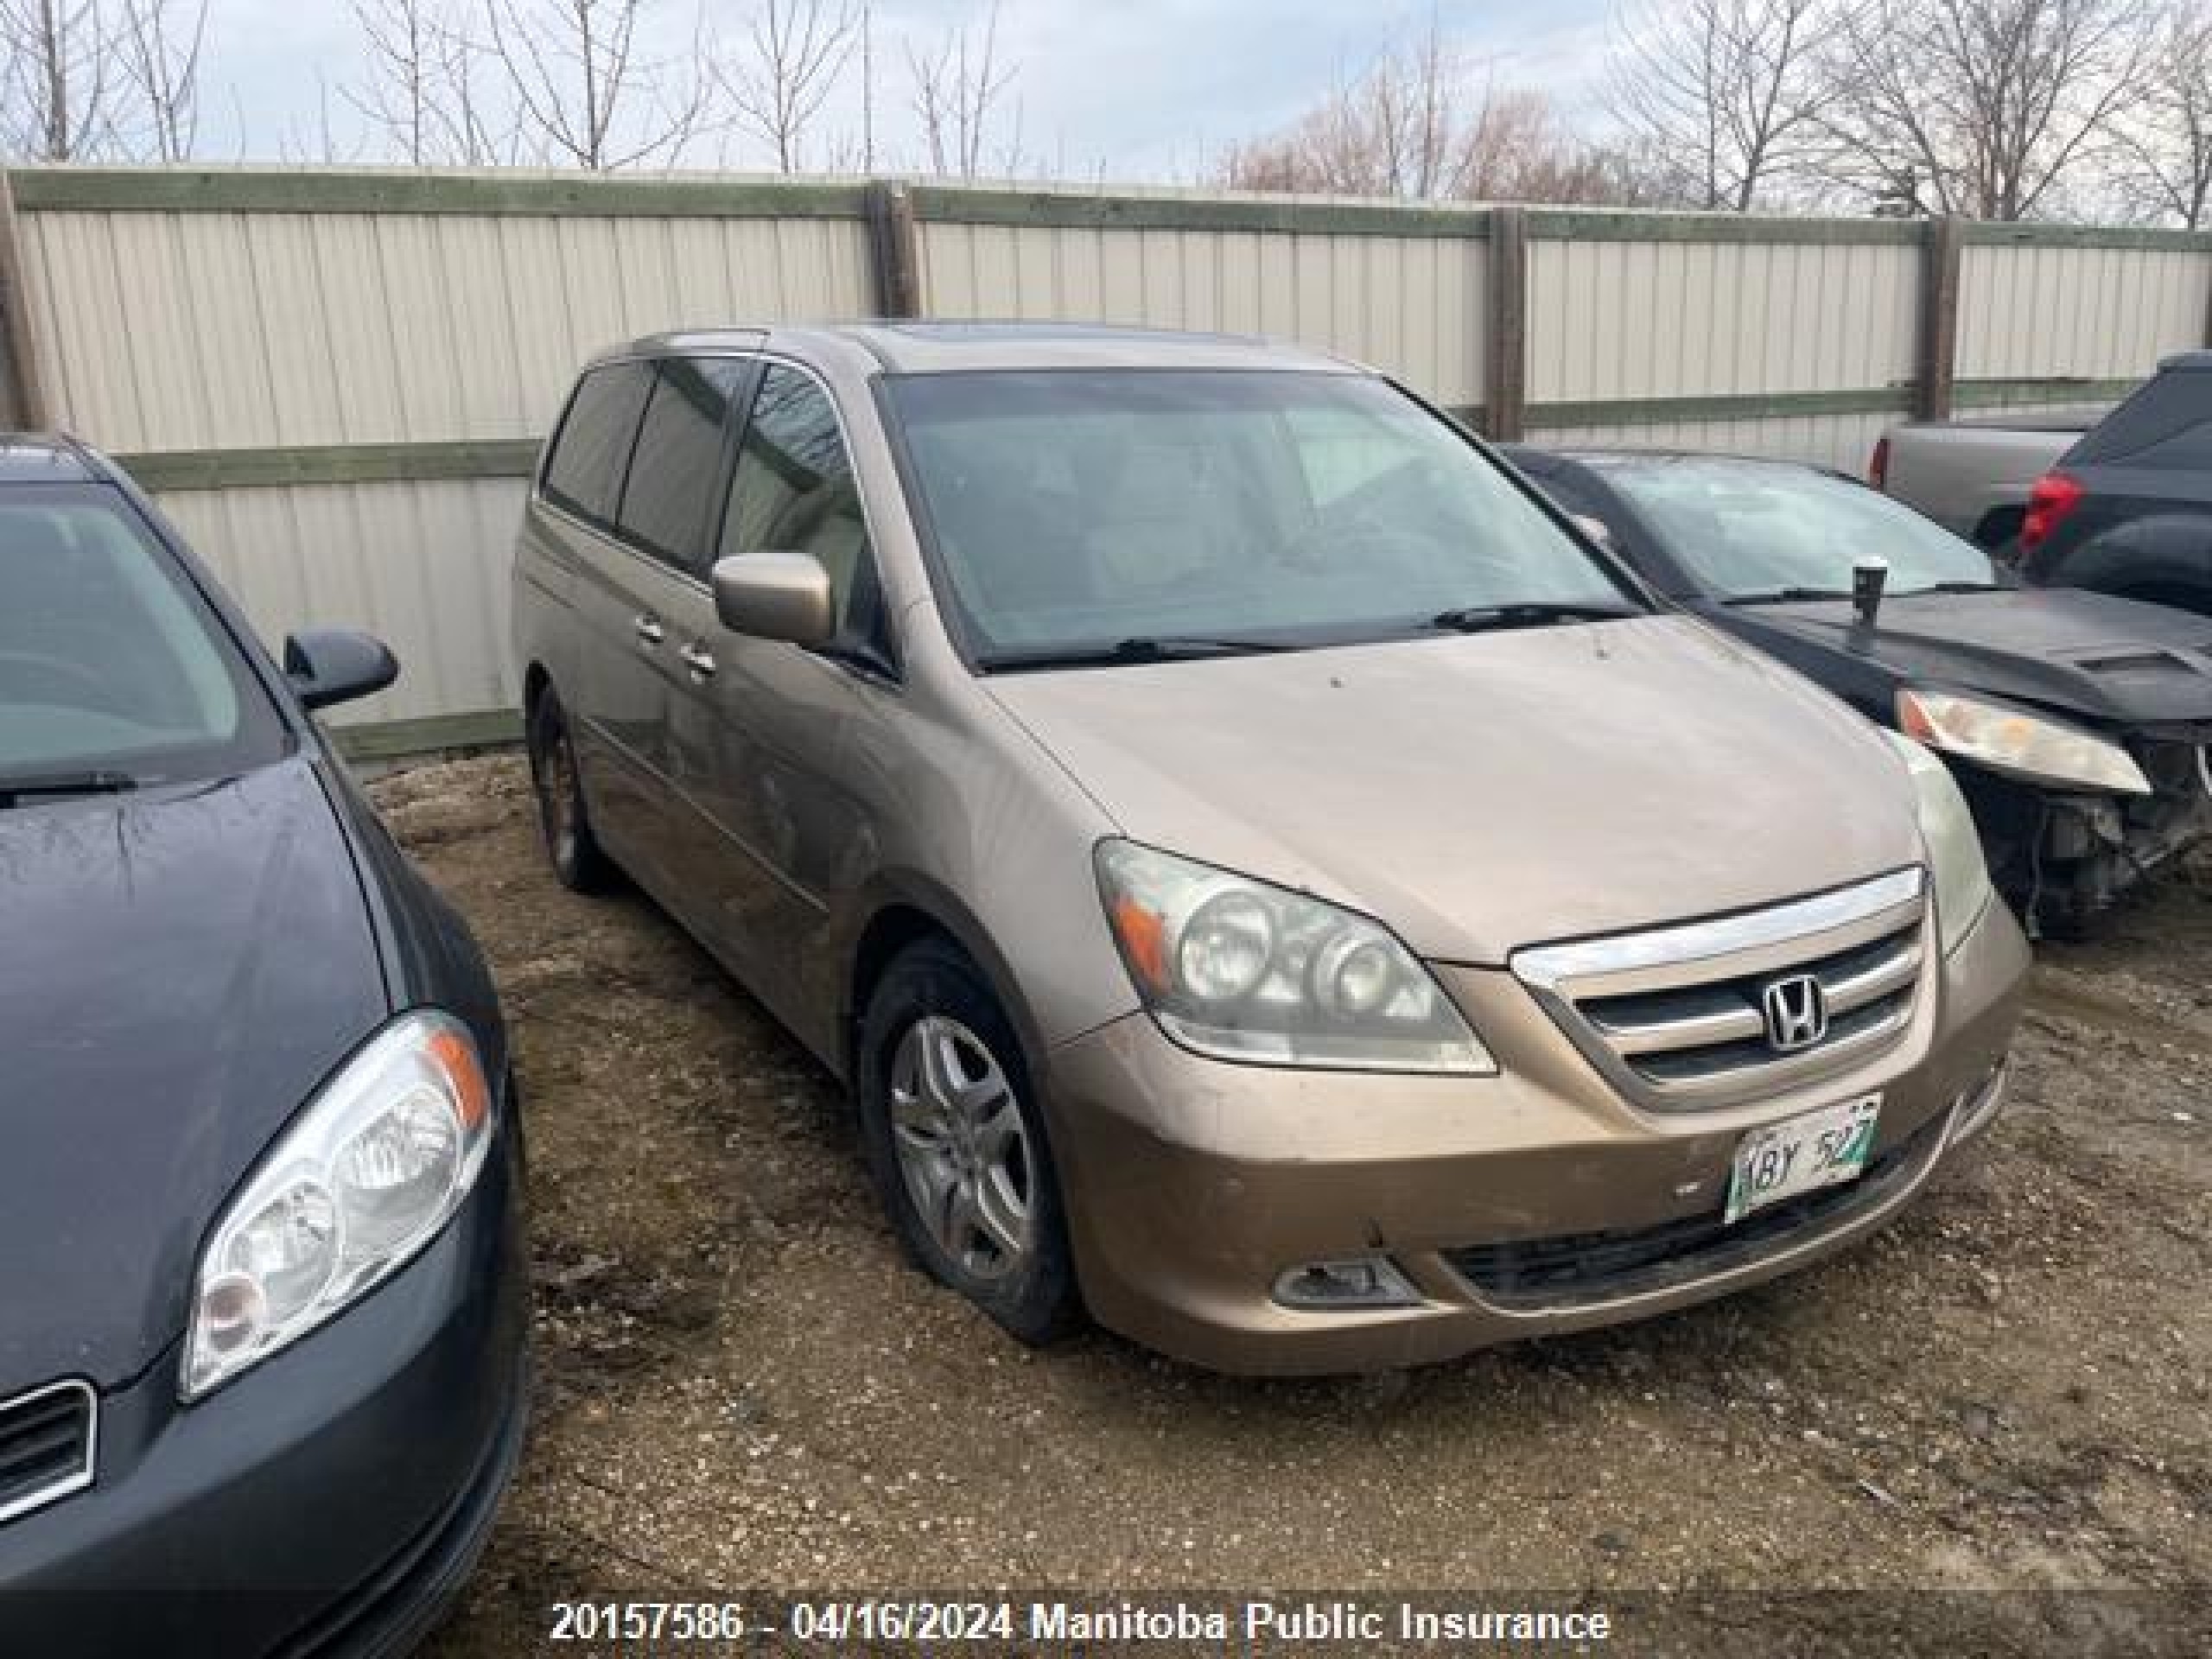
[961,1148]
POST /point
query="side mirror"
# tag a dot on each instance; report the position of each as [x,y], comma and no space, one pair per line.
[328,666]
[776,596]
[1595,529]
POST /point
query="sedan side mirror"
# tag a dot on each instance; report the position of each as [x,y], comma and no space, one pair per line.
[328,666]
[776,596]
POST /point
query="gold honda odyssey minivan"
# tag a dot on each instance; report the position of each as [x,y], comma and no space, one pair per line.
[1267,879]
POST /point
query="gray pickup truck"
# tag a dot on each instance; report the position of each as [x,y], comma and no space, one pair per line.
[1973,476]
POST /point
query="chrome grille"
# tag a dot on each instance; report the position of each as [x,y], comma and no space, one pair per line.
[1675,1015]
[48,1440]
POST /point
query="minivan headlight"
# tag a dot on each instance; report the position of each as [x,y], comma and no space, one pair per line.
[1239,970]
[364,1178]
[2019,743]
[1959,874]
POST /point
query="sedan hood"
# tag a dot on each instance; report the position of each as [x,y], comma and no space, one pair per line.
[2114,662]
[179,970]
[1484,793]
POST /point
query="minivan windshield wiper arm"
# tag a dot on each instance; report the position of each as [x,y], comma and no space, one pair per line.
[1786,596]
[1956,588]
[1529,613]
[1166,648]
[38,786]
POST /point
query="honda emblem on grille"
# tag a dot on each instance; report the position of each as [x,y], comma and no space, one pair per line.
[1796,1014]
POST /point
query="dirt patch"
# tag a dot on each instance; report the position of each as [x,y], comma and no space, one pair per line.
[1987,1430]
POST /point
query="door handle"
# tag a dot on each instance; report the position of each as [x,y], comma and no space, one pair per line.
[651,631]
[699,660]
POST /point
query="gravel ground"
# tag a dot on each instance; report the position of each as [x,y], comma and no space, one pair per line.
[1986,1432]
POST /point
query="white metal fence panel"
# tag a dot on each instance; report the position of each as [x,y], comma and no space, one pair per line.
[2028,310]
[169,331]
[1411,306]
[1624,318]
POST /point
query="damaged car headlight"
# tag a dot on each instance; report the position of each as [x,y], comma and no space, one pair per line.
[2019,744]
[1956,868]
[367,1174]
[1239,970]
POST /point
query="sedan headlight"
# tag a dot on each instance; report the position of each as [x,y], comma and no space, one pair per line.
[1954,861]
[364,1178]
[1240,970]
[2019,744]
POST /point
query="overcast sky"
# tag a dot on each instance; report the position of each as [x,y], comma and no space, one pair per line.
[1123,89]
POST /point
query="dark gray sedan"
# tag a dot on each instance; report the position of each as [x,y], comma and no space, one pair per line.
[260,1352]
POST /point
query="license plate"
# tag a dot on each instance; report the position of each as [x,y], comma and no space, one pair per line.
[1786,1160]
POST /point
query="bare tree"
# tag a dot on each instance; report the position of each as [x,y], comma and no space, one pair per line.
[2164,169]
[958,91]
[60,79]
[1397,131]
[798,50]
[423,88]
[157,44]
[1985,108]
[1420,123]
[1725,96]
[585,95]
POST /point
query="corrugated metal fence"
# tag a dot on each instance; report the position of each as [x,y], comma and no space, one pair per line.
[336,380]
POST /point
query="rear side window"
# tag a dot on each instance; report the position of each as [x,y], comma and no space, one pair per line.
[794,491]
[2167,422]
[584,472]
[678,458]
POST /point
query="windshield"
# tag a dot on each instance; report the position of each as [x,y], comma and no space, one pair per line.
[1744,528]
[113,667]
[1070,510]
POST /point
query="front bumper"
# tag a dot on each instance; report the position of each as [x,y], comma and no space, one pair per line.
[329,1501]
[1193,1186]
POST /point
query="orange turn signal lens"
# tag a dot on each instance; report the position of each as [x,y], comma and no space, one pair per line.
[1143,938]
[456,1056]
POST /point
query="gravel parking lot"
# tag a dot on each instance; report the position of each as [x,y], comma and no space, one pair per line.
[741,1389]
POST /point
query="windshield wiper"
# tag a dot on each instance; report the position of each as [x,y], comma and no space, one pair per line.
[1144,649]
[1786,596]
[1529,614]
[37,787]
[1956,588]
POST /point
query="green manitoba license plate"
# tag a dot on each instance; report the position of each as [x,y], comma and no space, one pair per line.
[1802,1154]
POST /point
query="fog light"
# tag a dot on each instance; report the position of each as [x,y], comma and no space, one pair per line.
[1368,1282]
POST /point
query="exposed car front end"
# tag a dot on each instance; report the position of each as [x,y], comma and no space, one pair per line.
[2073,817]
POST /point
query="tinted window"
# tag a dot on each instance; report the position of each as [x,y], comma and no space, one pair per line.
[584,473]
[109,659]
[1077,508]
[1746,527]
[679,457]
[2167,422]
[794,491]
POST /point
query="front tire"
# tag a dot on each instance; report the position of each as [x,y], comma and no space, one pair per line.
[956,1142]
[563,824]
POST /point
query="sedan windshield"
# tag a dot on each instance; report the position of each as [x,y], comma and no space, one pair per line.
[1753,529]
[1131,515]
[113,671]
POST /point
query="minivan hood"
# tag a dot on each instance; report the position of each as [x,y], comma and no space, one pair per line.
[1479,793]
[2116,662]
[178,971]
